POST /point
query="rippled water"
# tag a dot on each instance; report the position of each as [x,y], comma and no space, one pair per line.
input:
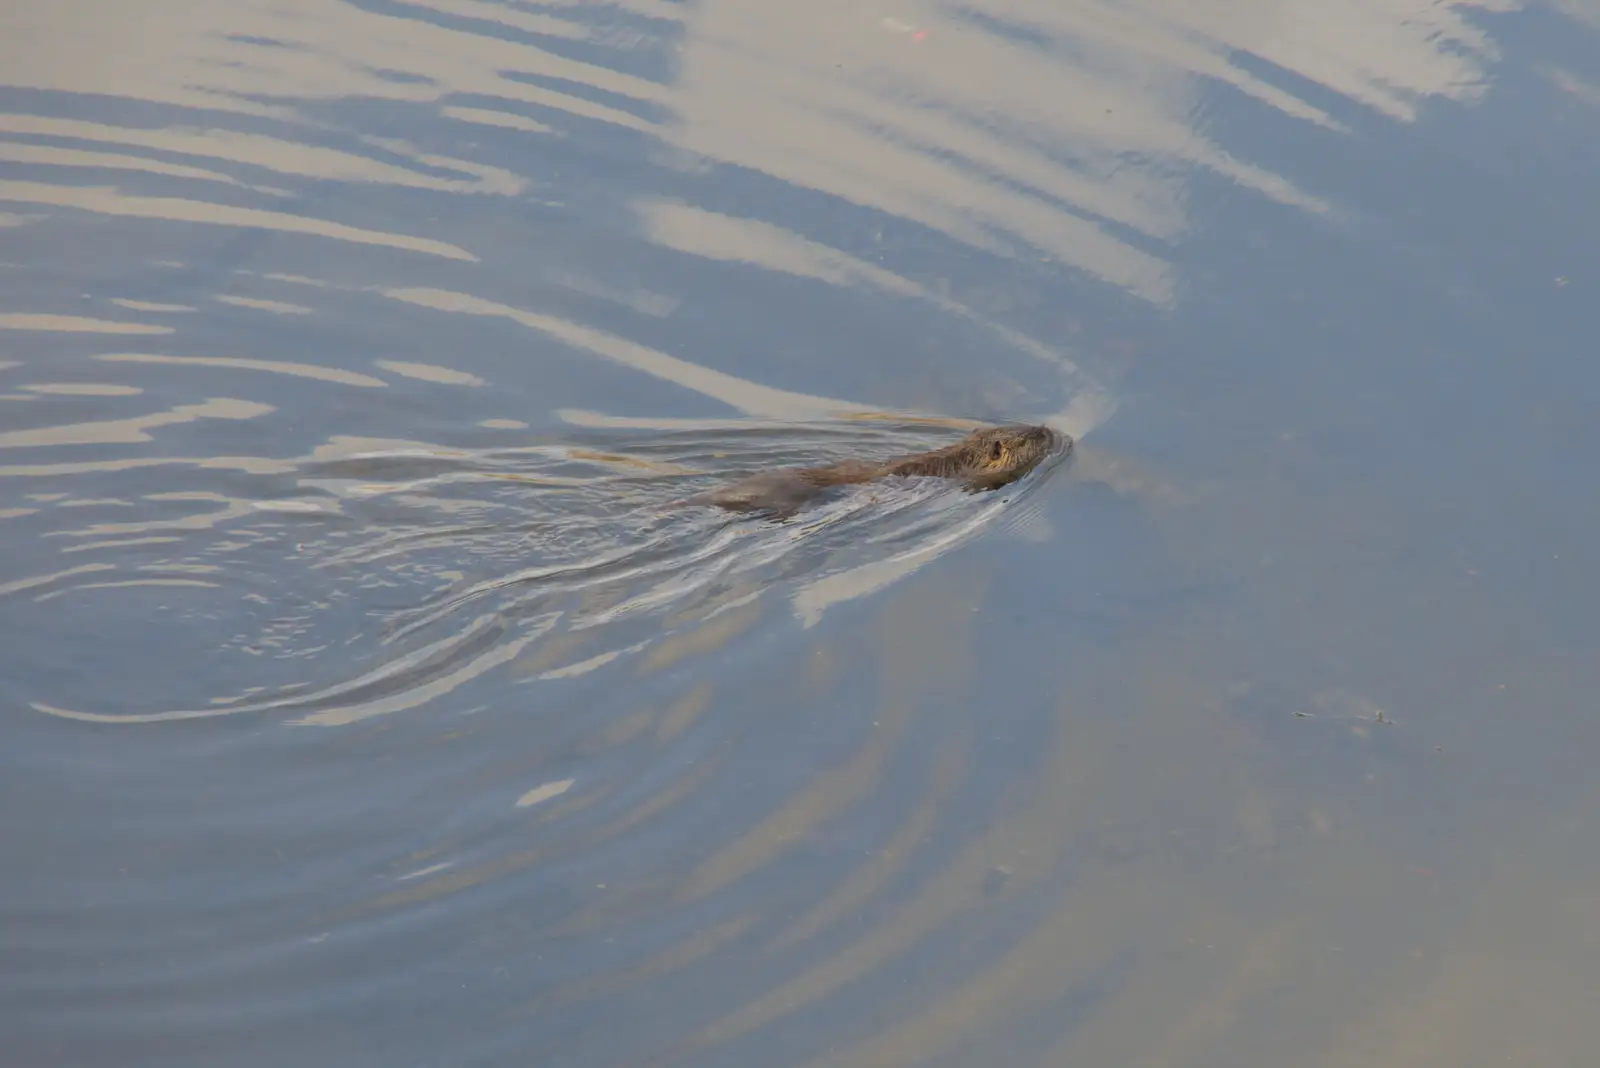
[398,574]
[366,701]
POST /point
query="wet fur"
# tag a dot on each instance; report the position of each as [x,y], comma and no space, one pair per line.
[983,460]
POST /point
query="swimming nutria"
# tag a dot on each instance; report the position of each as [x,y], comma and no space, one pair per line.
[983,460]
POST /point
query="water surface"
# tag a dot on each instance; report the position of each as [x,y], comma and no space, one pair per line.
[364,703]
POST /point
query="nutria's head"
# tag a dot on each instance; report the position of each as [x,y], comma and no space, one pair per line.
[1010,450]
[988,458]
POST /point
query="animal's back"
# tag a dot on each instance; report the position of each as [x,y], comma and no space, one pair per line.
[983,460]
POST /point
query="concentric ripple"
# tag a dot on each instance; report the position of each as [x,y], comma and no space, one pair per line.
[432,566]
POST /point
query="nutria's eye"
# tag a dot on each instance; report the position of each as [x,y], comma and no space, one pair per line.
[996,451]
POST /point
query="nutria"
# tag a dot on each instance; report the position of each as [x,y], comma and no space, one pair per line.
[983,460]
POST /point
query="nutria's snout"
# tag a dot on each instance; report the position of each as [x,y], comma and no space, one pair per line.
[1047,439]
[1052,441]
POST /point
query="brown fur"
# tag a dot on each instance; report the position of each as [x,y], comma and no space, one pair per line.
[984,460]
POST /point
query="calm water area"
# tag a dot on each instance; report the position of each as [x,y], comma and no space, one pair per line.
[364,703]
